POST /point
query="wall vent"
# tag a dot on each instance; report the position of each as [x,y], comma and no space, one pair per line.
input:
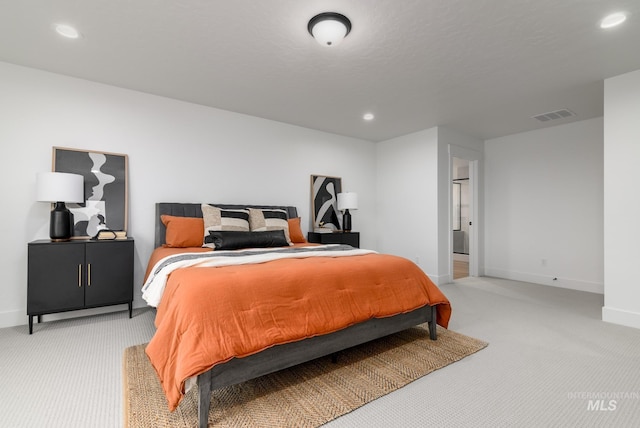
[554,115]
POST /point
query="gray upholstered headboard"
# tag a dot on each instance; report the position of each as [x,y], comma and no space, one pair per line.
[194,210]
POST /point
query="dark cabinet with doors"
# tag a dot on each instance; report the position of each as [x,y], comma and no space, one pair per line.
[78,274]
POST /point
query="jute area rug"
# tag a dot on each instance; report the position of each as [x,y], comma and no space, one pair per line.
[307,395]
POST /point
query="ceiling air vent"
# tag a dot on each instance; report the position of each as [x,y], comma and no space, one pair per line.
[554,115]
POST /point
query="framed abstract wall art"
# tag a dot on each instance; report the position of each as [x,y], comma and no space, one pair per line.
[324,201]
[105,189]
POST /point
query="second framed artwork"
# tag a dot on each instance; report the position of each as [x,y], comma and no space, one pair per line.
[105,189]
[324,202]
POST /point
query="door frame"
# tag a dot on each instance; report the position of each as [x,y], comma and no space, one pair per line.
[474,158]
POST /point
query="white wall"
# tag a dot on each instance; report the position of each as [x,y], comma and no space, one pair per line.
[622,203]
[414,197]
[178,152]
[543,206]
[407,201]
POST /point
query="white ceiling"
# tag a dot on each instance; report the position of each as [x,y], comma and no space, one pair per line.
[483,67]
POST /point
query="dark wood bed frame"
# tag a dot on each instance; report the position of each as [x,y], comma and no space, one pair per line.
[279,357]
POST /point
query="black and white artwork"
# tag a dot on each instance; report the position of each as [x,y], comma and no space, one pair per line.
[324,201]
[105,189]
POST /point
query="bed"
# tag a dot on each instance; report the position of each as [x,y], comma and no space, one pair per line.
[296,303]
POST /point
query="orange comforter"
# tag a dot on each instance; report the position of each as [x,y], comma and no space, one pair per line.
[209,315]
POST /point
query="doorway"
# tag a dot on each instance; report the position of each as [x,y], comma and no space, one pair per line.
[468,164]
[461,216]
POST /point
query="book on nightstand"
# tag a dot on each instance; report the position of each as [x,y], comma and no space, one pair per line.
[109,235]
[323,230]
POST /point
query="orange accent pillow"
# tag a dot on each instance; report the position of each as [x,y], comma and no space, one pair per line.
[183,231]
[295,232]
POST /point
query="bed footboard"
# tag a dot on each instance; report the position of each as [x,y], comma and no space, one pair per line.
[283,356]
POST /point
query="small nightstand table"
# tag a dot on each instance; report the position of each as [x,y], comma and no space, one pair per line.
[349,238]
[78,274]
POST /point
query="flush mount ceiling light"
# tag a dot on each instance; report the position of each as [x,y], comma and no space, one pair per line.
[329,28]
[613,20]
[368,116]
[67,31]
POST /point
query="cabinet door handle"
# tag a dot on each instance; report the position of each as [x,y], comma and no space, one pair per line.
[79,275]
[89,274]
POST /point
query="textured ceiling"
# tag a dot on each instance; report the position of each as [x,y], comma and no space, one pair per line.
[483,67]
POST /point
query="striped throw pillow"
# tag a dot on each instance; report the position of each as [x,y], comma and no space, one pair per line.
[223,219]
[262,220]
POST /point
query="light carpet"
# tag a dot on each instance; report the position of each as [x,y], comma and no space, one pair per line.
[307,395]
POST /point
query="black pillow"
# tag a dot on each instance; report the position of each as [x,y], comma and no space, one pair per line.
[234,240]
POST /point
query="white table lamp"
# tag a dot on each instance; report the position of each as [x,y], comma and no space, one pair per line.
[60,187]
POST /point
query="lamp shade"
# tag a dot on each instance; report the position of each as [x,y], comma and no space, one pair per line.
[59,187]
[347,201]
[329,28]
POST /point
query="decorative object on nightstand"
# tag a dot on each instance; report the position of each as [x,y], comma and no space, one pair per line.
[78,274]
[59,187]
[347,201]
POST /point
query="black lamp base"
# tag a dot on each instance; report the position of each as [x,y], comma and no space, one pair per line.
[346,221]
[61,224]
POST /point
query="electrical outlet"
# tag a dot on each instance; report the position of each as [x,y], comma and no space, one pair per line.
[417,260]
[543,262]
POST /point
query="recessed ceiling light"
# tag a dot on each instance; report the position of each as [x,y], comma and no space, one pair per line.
[613,20]
[368,116]
[67,31]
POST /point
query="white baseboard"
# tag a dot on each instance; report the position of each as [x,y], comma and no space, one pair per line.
[621,317]
[13,318]
[572,284]
[19,318]
[440,279]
